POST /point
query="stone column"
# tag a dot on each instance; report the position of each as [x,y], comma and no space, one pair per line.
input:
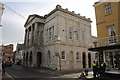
[32,32]
[28,59]
[27,34]
[31,35]
[25,37]
[35,33]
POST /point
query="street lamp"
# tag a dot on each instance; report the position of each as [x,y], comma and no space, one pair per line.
[58,54]
[1,12]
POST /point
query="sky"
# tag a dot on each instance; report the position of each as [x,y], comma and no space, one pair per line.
[17,11]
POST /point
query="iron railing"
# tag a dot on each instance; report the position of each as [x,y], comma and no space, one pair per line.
[112,40]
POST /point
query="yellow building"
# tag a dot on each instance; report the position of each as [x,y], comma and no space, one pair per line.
[108,31]
[107,16]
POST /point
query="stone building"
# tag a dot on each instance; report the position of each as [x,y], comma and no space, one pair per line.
[58,40]
[19,53]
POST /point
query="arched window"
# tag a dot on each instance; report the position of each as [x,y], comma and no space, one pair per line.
[48,54]
[77,55]
[63,55]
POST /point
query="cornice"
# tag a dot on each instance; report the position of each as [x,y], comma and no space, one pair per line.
[59,8]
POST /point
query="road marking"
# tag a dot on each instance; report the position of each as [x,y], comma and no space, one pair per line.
[9,75]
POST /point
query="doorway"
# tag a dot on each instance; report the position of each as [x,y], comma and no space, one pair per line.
[89,60]
[27,58]
[30,58]
[39,59]
[84,60]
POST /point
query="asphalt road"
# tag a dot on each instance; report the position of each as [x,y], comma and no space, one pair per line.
[19,72]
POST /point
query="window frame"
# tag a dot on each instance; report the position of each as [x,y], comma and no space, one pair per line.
[107,9]
[49,57]
[63,57]
[110,35]
[70,34]
[76,35]
[78,55]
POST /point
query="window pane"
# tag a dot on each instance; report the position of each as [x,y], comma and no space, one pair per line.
[63,55]
[77,55]
[111,34]
[70,34]
[76,35]
[107,9]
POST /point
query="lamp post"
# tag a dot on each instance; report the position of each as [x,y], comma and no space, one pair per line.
[1,12]
[58,54]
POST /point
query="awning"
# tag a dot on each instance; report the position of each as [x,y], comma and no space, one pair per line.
[103,48]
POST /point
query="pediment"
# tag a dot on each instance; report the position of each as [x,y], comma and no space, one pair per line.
[30,18]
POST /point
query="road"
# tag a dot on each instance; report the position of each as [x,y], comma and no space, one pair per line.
[19,72]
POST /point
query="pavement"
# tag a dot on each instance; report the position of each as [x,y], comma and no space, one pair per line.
[25,72]
[72,74]
[18,72]
[65,73]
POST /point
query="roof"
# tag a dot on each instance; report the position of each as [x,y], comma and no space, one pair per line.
[58,8]
[33,17]
[102,1]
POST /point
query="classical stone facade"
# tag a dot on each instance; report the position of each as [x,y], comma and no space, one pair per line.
[58,41]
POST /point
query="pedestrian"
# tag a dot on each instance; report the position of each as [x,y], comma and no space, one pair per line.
[102,69]
[94,65]
[98,69]
[3,67]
